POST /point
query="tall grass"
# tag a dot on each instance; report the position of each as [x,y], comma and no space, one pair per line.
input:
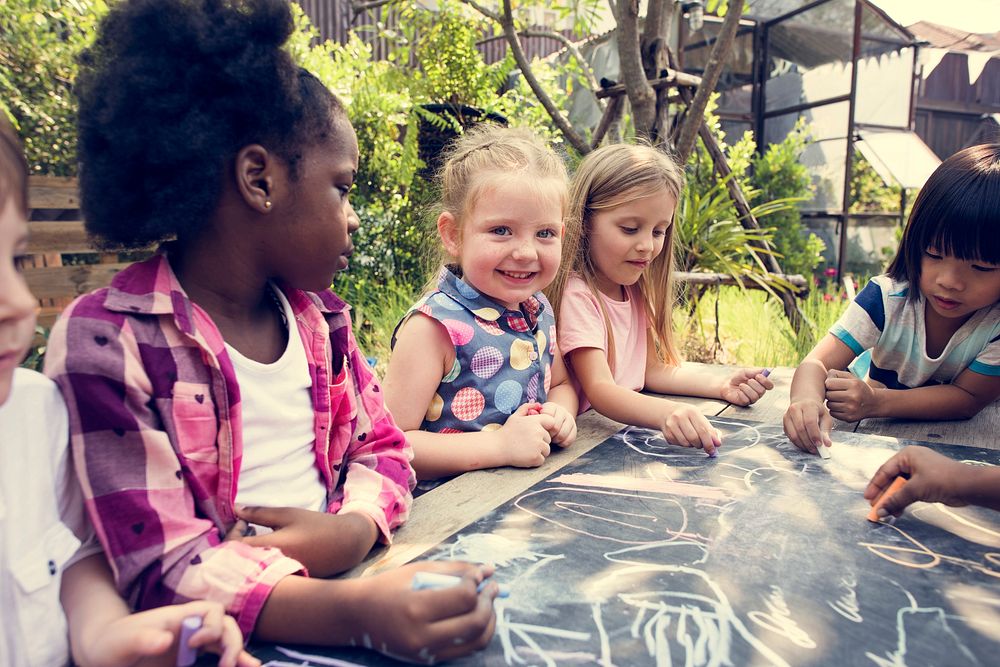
[733,326]
[376,309]
[728,326]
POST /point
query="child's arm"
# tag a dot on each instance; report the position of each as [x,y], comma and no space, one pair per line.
[423,354]
[374,496]
[681,424]
[807,421]
[934,478]
[562,404]
[384,613]
[104,634]
[742,388]
[161,548]
[852,399]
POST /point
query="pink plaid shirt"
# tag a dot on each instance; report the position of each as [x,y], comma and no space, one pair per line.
[155,427]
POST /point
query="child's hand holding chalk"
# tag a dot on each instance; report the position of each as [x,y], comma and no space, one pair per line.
[912,474]
[191,627]
[746,386]
[423,581]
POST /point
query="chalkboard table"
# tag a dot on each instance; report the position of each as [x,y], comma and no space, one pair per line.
[638,553]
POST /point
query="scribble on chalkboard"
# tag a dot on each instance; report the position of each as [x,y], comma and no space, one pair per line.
[642,553]
[922,557]
[847,604]
[778,619]
[930,624]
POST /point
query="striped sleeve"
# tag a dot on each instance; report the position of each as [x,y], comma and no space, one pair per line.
[862,323]
[987,362]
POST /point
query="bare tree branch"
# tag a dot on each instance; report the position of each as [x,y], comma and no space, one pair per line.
[568,45]
[359,7]
[713,70]
[572,136]
[608,119]
[657,19]
[641,95]
[490,14]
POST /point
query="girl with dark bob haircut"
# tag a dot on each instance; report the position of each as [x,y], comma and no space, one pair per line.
[231,438]
[931,322]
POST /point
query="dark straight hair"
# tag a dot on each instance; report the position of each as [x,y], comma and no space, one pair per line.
[957,213]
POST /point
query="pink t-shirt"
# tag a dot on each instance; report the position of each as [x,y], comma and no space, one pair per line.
[581,325]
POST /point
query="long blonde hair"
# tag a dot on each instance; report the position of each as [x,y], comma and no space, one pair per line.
[606,178]
[487,153]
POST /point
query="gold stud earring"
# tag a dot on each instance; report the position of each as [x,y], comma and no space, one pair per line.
[267,203]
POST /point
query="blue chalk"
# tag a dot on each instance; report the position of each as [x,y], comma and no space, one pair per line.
[433,581]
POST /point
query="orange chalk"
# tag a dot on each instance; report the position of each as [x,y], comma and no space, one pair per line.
[883,497]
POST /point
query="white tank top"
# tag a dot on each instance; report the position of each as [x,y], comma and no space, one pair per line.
[279,465]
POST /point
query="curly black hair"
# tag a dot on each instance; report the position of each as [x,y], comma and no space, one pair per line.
[169,93]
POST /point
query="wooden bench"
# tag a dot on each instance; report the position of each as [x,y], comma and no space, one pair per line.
[62,263]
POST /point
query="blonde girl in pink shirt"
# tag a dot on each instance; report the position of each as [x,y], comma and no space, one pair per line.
[614,303]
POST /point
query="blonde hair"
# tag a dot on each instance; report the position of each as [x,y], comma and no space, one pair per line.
[488,154]
[607,178]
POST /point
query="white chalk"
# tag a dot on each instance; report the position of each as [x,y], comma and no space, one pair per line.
[433,581]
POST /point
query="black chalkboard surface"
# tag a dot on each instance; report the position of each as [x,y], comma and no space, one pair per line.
[640,553]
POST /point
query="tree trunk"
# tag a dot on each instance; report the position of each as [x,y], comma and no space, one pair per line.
[713,70]
[641,95]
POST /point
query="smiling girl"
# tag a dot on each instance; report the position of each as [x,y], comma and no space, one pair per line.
[932,322]
[475,378]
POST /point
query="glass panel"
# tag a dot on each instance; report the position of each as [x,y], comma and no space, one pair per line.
[828,230]
[734,129]
[885,72]
[871,243]
[736,83]
[809,56]
[824,157]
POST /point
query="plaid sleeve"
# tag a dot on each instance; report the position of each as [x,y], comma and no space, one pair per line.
[137,494]
[378,477]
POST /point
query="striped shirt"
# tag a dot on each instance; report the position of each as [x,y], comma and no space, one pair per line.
[892,326]
[155,427]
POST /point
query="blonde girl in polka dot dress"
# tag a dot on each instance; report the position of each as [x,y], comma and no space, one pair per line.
[476,379]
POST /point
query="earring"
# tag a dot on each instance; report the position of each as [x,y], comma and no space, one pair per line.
[267,203]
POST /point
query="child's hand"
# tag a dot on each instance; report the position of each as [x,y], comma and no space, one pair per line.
[746,386]
[563,427]
[426,626]
[807,424]
[934,478]
[150,638]
[687,427]
[848,397]
[326,544]
[525,437]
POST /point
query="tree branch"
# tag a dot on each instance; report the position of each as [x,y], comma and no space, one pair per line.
[640,94]
[568,45]
[359,7]
[572,136]
[713,70]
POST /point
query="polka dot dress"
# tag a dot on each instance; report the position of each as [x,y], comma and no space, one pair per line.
[503,358]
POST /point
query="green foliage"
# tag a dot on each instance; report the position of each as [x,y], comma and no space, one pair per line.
[38,49]
[869,193]
[709,238]
[746,328]
[778,174]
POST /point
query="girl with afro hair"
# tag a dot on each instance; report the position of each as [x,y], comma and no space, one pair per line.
[230,437]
